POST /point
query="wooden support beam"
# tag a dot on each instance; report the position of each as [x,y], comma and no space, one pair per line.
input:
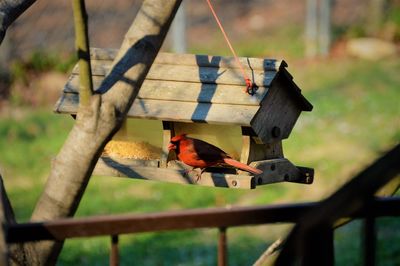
[175,173]
[222,247]
[178,220]
[369,241]
[275,170]
[107,225]
[351,198]
[318,247]
[254,150]
[168,133]
[114,253]
[280,170]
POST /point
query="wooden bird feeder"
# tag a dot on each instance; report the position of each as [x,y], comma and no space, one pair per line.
[204,97]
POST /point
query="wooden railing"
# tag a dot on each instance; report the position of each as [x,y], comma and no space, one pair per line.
[315,222]
[221,218]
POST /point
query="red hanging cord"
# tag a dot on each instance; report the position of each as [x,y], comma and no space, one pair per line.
[249,84]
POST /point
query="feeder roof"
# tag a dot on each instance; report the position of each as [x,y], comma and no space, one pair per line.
[191,88]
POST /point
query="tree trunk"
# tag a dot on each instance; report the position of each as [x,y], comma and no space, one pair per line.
[375,16]
[178,31]
[6,217]
[311,30]
[325,27]
[98,122]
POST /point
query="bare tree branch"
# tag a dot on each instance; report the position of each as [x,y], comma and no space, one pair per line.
[15,254]
[271,250]
[10,10]
[82,48]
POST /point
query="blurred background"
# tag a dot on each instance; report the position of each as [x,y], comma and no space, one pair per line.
[343,54]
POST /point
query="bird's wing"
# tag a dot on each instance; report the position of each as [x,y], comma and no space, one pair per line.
[208,152]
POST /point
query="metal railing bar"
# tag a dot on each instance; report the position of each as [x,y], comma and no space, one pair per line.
[114,253]
[222,247]
[369,239]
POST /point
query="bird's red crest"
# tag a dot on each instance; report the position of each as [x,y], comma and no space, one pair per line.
[178,138]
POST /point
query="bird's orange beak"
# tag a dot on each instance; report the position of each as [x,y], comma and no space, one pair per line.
[171,146]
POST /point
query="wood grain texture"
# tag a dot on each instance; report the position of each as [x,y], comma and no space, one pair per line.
[184,91]
[275,170]
[253,151]
[280,170]
[277,115]
[191,73]
[208,89]
[110,167]
[198,60]
[174,111]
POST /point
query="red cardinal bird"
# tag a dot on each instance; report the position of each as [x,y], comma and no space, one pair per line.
[200,154]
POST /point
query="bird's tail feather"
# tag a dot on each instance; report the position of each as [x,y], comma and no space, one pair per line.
[242,166]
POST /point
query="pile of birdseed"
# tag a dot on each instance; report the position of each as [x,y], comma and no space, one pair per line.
[132,150]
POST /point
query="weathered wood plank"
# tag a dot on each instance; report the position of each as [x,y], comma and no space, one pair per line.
[229,216]
[192,74]
[209,93]
[275,170]
[253,151]
[280,170]
[193,112]
[103,53]
[198,60]
[278,113]
[108,167]
[208,75]
[131,162]
[168,133]
[184,91]
[175,111]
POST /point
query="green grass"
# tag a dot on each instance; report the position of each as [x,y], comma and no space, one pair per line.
[29,140]
[197,247]
[277,44]
[356,116]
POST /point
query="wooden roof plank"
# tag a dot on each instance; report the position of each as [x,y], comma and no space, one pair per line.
[193,112]
[175,110]
[192,74]
[184,91]
[198,60]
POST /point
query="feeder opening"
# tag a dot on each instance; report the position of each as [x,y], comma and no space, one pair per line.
[226,137]
[137,139]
